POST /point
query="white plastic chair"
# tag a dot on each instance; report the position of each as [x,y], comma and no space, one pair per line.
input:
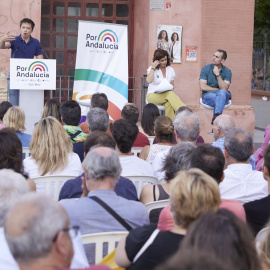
[112,238]
[140,181]
[136,150]
[156,205]
[212,108]
[151,139]
[262,234]
[52,184]
[26,152]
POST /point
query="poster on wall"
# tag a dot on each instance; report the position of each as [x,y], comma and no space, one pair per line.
[169,38]
[102,65]
[191,53]
[157,4]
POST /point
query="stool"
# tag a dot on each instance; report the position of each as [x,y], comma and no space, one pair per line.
[161,108]
[212,108]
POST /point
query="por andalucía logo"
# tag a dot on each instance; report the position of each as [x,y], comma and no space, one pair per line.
[36,69]
[38,66]
[107,39]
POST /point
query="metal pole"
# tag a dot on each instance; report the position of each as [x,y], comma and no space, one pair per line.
[264,60]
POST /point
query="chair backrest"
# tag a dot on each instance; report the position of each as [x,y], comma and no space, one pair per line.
[157,204]
[140,181]
[136,150]
[112,238]
[262,234]
[52,184]
[26,152]
[151,139]
[208,107]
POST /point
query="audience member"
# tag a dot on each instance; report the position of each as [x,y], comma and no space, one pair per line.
[12,186]
[176,160]
[199,260]
[97,119]
[192,193]
[70,112]
[130,112]
[124,133]
[11,155]
[186,129]
[124,187]
[264,251]
[259,153]
[38,234]
[98,100]
[222,125]
[102,170]
[241,182]
[150,113]
[51,151]
[52,108]
[163,129]
[4,106]
[258,211]
[224,236]
[15,119]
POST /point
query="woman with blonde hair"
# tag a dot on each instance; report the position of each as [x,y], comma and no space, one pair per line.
[15,119]
[51,151]
[52,108]
[193,193]
[163,130]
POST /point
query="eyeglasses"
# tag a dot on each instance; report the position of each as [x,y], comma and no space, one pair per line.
[73,232]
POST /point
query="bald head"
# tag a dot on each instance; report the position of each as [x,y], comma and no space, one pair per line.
[102,162]
[223,123]
[31,226]
[187,126]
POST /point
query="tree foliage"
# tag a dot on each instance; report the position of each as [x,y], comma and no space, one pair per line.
[261,17]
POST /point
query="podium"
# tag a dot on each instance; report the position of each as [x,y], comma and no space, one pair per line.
[31,77]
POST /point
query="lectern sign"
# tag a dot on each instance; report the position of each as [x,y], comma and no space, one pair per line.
[32,74]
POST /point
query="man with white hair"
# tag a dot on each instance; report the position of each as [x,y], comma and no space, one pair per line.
[12,186]
[222,125]
[38,233]
[97,119]
[102,169]
[186,129]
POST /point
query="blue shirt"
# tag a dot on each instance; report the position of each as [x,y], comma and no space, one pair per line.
[20,49]
[124,188]
[208,75]
[25,138]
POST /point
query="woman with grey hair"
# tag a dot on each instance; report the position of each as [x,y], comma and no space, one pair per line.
[176,160]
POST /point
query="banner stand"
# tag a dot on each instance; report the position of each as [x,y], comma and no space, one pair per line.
[32,102]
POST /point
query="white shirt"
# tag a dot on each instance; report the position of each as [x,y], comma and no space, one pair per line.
[243,184]
[176,51]
[158,77]
[157,164]
[7,261]
[132,166]
[73,168]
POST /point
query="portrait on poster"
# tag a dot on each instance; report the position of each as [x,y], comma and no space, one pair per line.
[169,38]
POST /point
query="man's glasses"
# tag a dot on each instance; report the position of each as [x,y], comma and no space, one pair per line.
[73,232]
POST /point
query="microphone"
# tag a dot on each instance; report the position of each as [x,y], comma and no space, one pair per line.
[15,51]
[44,53]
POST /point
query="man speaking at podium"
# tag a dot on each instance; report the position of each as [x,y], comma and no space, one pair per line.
[22,46]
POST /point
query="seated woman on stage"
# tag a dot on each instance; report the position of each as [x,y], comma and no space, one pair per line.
[193,193]
[51,151]
[159,70]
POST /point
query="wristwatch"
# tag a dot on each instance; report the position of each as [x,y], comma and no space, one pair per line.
[217,75]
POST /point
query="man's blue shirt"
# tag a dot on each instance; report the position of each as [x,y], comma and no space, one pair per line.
[208,75]
[20,49]
[124,188]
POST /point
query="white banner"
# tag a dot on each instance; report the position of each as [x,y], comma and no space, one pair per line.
[32,74]
[102,63]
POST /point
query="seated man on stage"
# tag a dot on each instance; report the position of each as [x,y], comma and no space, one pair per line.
[215,80]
